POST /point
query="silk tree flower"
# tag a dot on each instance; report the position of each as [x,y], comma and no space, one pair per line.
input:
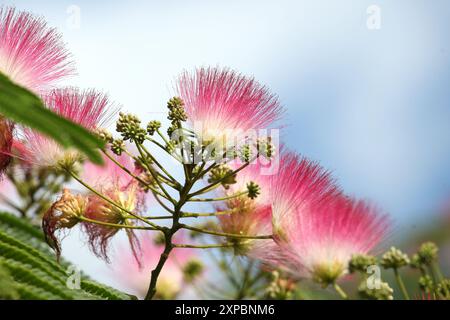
[63,214]
[31,54]
[88,108]
[299,184]
[134,278]
[222,105]
[247,216]
[117,185]
[318,241]
[316,227]
[70,209]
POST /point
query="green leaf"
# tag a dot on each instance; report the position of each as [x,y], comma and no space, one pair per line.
[21,105]
[28,270]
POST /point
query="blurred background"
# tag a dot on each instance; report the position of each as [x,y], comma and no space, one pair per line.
[366,84]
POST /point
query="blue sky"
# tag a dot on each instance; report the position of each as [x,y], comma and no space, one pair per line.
[370,105]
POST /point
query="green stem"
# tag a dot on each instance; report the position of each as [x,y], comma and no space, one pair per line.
[400,283]
[437,271]
[236,195]
[114,225]
[164,148]
[218,182]
[155,191]
[340,291]
[223,234]
[169,176]
[208,246]
[192,215]
[153,174]
[209,214]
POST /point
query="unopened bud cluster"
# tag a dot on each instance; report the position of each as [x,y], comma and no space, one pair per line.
[129,126]
[394,259]
[360,263]
[382,292]
[223,174]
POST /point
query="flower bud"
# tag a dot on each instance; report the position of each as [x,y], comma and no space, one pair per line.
[192,269]
[129,127]
[360,263]
[153,126]
[383,292]
[104,135]
[63,214]
[117,146]
[280,288]
[428,253]
[394,259]
[176,110]
[426,283]
[219,173]
[253,190]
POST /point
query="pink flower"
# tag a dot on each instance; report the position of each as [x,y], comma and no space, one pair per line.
[299,184]
[222,104]
[316,227]
[88,108]
[135,279]
[31,53]
[63,214]
[318,241]
[117,185]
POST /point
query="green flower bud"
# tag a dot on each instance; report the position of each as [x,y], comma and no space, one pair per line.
[129,127]
[394,259]
[192,269]
[426,283]
[253,190]
[360,263]
[383,292]
[176,110]
[443,288]
[220,173]
[104,134]
[159,239]
[117,146]
[266,148]
[416,263]
[428,253]
[245,153]
[152,126]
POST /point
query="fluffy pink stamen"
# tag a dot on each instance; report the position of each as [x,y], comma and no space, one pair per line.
[222,99]
[31,53]
[87,108]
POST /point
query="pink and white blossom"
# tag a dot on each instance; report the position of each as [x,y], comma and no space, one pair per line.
[222,104]
[31,53]
[87,108]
